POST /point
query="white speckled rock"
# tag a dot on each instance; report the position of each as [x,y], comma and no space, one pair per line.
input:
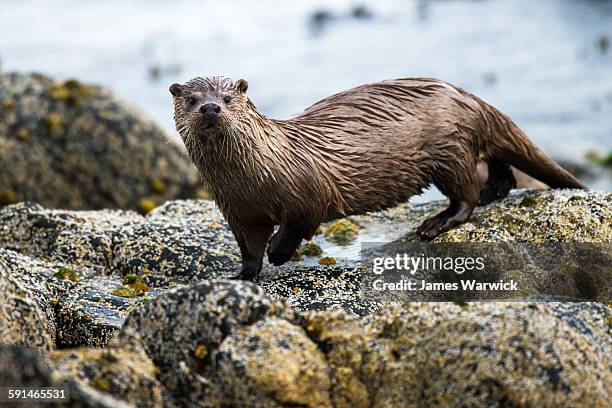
[26,312]
[479,354]
[71,145]
[272,363]
[195,340]
[22,367]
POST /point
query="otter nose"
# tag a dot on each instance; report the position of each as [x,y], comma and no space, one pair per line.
[210,109]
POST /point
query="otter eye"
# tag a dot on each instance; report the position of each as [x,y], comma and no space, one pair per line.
[191,101]
[227,99]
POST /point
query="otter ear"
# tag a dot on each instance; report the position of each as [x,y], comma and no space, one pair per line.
[176,89]
[242,85]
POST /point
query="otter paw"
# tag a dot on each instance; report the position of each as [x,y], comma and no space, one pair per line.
[431,228]
[248,273]
[279,256]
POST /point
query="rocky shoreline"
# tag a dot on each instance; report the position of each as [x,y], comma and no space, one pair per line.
[304,335]
[130,305]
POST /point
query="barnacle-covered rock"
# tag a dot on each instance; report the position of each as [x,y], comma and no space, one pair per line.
[66,144]
[181,329]
[193,339]
[22,367]
[223,343]
[272,363]
[26,310]
[43,310]
[443,354]
[543,216]
[94,266]
[182,241]
[125,374]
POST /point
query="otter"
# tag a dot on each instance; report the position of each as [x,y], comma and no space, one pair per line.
[361,150]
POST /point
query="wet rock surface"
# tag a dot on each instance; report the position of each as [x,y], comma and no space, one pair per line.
[149,292]
[24,367]
[66,144]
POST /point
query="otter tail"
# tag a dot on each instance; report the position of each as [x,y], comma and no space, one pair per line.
[511,145]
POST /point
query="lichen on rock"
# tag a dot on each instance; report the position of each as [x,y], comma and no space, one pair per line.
[304,335]
[67,144]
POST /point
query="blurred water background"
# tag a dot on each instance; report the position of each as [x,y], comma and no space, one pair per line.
[548,64]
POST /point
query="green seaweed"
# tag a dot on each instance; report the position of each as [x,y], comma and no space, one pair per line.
[200,352]
[327,260]
[600,160]
[67,274]
[71,91]
[52,123]
[310,249]
[124,291]
[529,201]
[342,232]
[8,197]
[101,384]
[146,205]
[157,186]
[133,285]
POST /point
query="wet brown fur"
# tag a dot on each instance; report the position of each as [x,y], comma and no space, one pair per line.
[364,149]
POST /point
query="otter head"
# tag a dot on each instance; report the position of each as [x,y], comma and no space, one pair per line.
[207,107]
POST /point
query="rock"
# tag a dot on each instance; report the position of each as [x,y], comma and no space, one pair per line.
[224,343]
[272,363]
[319,288]
[180,242]
[72,145]
[214,309]
[524,216]
[54,312]
[126,375]
[319,19]
[181,329]
[23,367]
[361,12]
[183,242]
[102,248]
[26,312]
[541,218]
[442,354]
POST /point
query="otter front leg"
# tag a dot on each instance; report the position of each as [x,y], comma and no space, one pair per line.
[284,243]
[252,241]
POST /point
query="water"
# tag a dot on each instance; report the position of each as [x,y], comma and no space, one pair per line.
[539,62]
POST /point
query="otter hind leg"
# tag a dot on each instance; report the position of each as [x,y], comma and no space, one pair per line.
[459,181]
[499,181]
[456,214]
